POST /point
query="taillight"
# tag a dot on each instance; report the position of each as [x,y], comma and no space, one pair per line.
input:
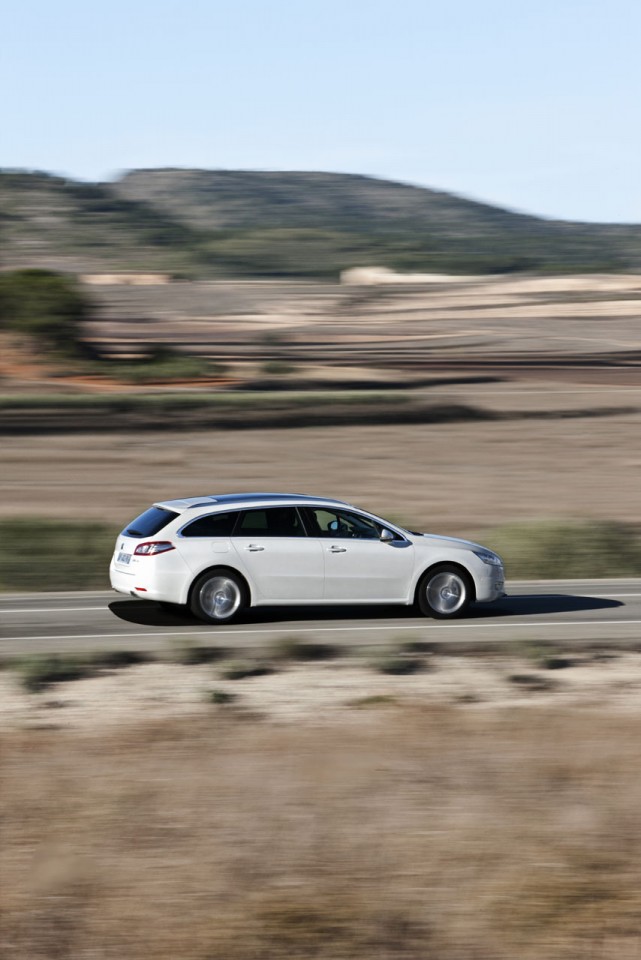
[152,547]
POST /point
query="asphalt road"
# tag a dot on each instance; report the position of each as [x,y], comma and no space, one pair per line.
[571,611]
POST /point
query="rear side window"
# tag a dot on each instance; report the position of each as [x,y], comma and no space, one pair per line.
[213,525]
[272,522]
[149,523]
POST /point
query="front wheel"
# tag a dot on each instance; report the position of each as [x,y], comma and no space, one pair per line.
[444,592]
[218,596]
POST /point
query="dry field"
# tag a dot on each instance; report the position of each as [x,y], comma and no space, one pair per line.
[455,478]
[579,335]
[451,814]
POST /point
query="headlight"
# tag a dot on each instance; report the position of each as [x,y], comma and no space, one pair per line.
[487,557]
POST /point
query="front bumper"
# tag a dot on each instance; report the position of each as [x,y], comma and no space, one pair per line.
[491,585]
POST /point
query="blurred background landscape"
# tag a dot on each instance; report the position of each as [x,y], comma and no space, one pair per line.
[200,331]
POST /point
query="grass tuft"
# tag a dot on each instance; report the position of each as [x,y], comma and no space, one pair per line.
[242,669]
[531,681]
[222,697]
[375,700]
[293,648]
[188,653]
[396,663]
[38,672]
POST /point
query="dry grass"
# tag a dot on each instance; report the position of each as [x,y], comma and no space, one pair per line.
[416,833]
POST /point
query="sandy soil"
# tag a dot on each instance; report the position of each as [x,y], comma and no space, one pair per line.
[325,693]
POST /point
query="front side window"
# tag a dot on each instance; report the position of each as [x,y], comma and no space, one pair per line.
[270,522]
[342,524]
[213,525]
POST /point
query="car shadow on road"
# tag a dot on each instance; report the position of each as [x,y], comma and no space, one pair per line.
[151,614]
[542,603]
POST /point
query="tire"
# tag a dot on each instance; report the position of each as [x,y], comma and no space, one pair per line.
[218,596]
[445,592]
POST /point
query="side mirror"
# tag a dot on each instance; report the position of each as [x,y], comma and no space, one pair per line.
[387,536]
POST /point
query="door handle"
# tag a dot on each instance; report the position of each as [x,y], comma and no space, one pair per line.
[253,547]
[338,549]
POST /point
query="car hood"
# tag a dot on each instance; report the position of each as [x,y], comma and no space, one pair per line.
[453,543]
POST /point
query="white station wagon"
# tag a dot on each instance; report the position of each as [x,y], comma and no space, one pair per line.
[218,555]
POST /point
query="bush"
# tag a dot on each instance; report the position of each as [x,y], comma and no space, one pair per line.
[188,653]
[46,305]
[241,669]
[222,697]
[291,648]
[42,670]
[396,663]
[38,672]
[40,554]
[557,549]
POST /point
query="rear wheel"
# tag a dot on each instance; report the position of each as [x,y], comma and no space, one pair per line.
[445,592]
[218,596]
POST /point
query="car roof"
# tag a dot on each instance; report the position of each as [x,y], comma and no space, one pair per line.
[241,499]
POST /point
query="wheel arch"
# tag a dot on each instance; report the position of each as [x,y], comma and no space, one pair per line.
[438,564]
[220,568]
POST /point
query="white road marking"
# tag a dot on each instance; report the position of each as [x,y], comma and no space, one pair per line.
[54,609]
[217,632]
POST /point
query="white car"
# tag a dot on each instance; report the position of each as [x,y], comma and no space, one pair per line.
[221,554]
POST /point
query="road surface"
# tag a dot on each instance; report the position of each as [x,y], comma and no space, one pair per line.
[567,611]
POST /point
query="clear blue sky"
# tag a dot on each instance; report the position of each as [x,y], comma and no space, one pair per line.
[534,106]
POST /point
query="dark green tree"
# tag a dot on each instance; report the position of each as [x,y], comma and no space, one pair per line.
[46,305]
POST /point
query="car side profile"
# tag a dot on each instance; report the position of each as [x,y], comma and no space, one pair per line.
[220,554]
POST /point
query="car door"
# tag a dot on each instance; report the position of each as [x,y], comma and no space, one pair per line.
[359,566]
[283,563]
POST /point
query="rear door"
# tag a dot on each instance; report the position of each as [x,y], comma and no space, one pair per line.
[284,564]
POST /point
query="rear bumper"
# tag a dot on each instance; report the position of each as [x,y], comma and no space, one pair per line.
[149,580]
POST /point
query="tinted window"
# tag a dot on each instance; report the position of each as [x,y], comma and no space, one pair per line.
[149,523]
[342,524]
[213,525]
[272,522]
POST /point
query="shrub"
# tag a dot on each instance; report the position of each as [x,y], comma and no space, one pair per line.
[241,669]
[38,554]
[396,663]
[557,549]
[291,648]
[188,653]
[38,672]
[46,305]
[376,700]
[222,697]
[531,681]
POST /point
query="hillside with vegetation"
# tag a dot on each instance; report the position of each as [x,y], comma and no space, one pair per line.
[207,224]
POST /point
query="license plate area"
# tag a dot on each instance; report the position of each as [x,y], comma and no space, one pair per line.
[123,557]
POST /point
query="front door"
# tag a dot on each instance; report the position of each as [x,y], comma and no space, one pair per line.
[358,564]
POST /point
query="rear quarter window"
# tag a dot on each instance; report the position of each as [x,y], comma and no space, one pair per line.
[149,523]
[213,525]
